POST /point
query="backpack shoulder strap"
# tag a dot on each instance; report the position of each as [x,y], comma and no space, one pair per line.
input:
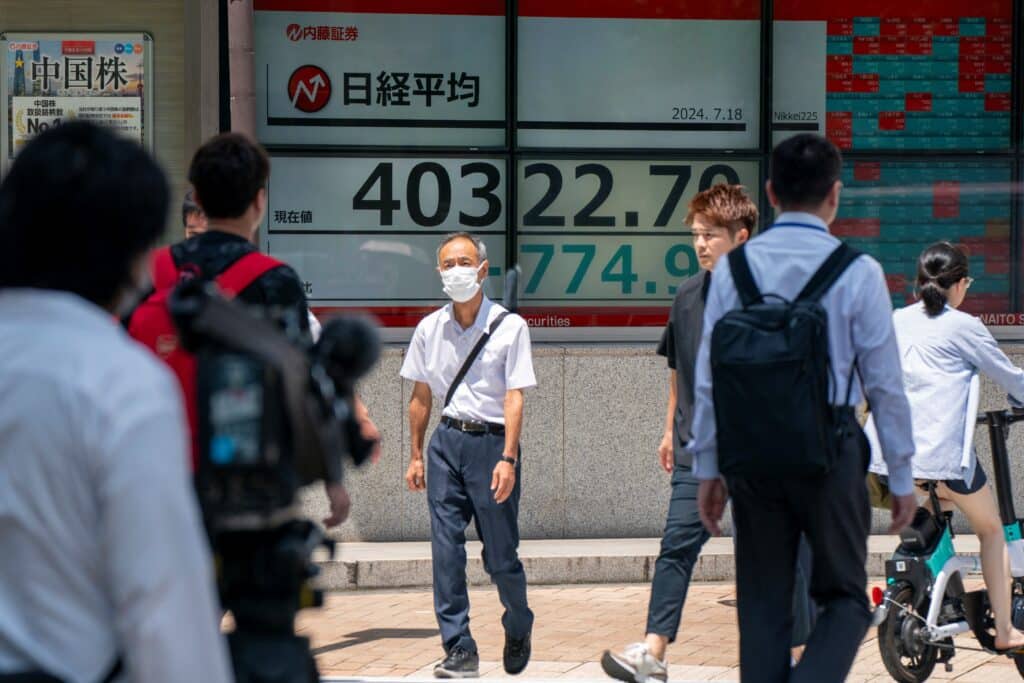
[472,357]
[244,272]
[162,269]
[834,266]
[746,287]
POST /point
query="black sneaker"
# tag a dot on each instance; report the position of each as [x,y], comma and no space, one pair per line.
[460,663]
[516,655]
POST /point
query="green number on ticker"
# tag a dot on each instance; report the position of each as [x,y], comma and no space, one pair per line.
[586,252]
[625,275]
[546,251]
[672,261]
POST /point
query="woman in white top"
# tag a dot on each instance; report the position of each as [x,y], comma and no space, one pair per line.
[941,349]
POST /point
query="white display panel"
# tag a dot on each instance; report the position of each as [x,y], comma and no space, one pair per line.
[603,243]
[363,232]
[401,72]
[603,74]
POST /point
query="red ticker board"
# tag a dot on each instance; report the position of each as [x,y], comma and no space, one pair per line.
[873,75]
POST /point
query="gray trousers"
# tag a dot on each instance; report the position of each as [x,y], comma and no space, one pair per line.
[459,471]
[832,511]
[681,543]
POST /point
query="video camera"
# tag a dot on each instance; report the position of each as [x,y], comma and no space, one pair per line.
[274,414]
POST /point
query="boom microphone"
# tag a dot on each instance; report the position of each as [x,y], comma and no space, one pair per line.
[348,348]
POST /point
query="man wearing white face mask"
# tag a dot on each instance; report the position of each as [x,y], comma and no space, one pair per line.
[477,356]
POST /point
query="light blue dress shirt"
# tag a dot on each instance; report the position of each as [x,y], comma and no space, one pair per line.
[939,356]
[440,346]
[782,260]
[103,550]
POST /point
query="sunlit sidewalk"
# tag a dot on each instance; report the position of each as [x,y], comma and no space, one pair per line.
[391,634]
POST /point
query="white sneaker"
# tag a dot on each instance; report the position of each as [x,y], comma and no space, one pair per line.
[634,665]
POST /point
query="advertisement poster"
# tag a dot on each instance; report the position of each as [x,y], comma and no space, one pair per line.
[32,115]
[396,72]
[49,79]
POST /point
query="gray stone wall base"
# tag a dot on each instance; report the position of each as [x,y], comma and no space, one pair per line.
[407,565]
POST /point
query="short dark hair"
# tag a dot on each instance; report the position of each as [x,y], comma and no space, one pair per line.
[227,173]
[189,207]
[803,170]
[78,207]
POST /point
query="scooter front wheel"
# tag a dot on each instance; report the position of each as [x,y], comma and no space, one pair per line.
[905,654]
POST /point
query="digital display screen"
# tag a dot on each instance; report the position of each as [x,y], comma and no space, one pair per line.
[880,75]
[652,73]
[363,231]
[402,72]
[603,243]
[893,210]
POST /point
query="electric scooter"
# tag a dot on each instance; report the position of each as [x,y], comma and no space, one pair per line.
[924,604]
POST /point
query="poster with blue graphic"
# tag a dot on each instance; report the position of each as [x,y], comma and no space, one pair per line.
[48,79]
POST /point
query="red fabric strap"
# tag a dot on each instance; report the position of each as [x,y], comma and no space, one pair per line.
[162,269]
[244,272]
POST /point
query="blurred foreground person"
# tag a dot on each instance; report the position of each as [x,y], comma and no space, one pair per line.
[106,573]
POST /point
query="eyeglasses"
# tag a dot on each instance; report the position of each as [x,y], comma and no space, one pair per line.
[970,281]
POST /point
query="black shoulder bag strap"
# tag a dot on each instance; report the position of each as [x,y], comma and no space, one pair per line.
[742,277]
[826,276]
[472,357]
[116,669]
[823,279]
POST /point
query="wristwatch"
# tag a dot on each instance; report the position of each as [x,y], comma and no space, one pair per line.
[510,461]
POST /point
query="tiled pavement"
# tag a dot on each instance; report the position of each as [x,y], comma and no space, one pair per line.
[392,633]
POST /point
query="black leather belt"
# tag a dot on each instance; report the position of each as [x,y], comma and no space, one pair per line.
[473,426]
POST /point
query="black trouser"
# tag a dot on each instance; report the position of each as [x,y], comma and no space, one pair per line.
[459,471]
[770,514]
[681,542]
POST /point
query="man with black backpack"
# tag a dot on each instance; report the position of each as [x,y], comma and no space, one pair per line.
[476,355]
[797,327]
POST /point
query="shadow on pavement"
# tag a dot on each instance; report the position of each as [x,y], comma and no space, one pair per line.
[371,634]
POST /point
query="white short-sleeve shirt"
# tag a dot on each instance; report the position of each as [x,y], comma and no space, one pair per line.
[440,346]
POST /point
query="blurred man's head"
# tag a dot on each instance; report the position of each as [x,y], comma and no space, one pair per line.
[804,176]
[192,217]
[229,176]
[721,217]
[79,210]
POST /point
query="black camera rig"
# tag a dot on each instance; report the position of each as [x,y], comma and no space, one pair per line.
[275,414]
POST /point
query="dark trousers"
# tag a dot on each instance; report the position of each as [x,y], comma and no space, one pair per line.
[459,471]
[681,543]
[832,512]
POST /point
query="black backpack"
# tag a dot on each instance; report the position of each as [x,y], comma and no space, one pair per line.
[770,371]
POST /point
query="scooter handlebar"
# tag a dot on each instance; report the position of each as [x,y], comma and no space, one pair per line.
[1008,416]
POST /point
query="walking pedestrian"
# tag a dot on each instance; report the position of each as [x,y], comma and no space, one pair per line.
[477,355]
[799,327]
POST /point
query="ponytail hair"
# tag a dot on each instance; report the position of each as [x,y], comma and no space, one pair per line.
[939,267]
